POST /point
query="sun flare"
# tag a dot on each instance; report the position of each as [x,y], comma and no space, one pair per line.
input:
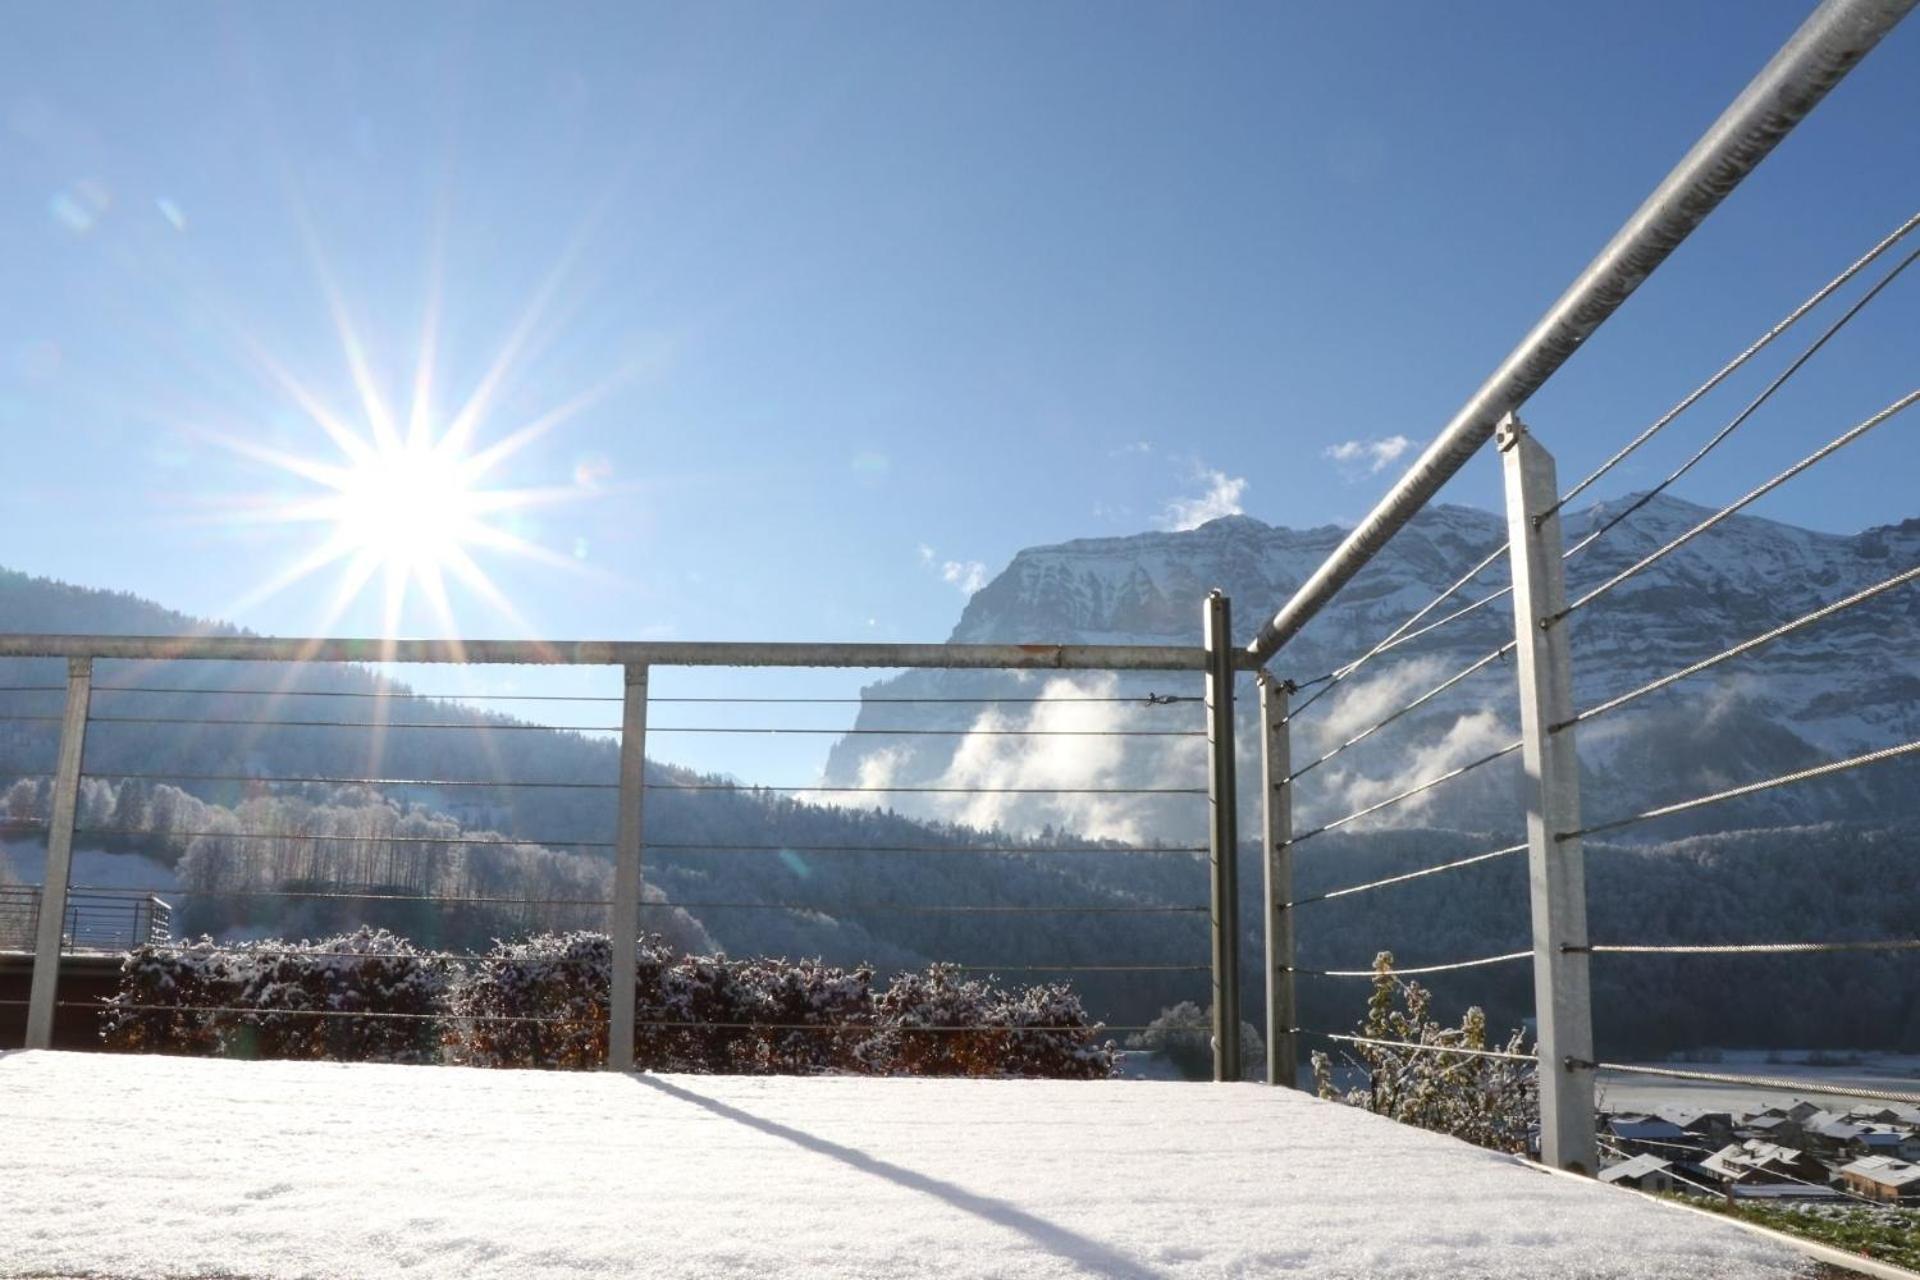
[401,513]
[407,507]
[409,496]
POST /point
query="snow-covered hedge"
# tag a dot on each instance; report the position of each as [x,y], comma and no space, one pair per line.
[366,996]
[943,1023]
[543,1002]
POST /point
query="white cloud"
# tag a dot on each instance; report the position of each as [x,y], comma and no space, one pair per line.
[1137,448]
[1367,457]
[968,575]
[1222,498]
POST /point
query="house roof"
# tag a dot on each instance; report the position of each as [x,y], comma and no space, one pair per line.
[1838,1130]
[1765,1122]
[1908,1117]
[1785,1191]
[1885,1171]
[1645,1128]
[1638,1167]
[1737,1159]
[1686,1117]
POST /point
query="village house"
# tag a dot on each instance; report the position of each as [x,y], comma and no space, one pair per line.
[1766,1128]
[1756,1164]
[1828,1136]
[1905,1117]
[1799,1152]
[1897,1141]
[1882,1178]
[1643,1173]
[1651,1135]
[1711,1129]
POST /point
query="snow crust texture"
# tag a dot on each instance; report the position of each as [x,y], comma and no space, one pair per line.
[152,1167]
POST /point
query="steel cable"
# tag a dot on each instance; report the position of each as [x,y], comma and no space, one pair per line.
[593,1016]
[1766,784]
[1771,1083]
[1399,972]
[1452,1050]
[1401,635]
[1404,632]
[1765,340]
[1749,948]
[1150,699]
[1410,875]
[522,726]
[1408,794]
[1476,666]
[651,786]
[669,846]
[469,957]
[1831,447]
[1745,646]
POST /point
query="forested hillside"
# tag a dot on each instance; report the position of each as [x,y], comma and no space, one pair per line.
[763,872]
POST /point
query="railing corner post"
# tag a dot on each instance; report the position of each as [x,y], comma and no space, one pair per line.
[1556,867]
[1276,768]
[623,921]
[1223,838]
[43,993]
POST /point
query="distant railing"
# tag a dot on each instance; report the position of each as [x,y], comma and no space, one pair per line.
[93,921]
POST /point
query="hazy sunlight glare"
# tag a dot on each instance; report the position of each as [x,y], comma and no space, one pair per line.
[407,507]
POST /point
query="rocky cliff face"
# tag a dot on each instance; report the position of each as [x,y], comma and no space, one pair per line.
[1843,685]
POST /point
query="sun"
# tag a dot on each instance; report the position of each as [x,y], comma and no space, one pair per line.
[403,491]
[407,508]
[403,513]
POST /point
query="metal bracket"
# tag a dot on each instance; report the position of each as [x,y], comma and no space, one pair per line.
[1510,431]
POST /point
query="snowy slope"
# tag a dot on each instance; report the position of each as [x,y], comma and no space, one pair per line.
[1845,685]
[312,1170]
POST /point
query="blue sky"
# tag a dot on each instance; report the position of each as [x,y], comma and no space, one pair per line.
[848,303]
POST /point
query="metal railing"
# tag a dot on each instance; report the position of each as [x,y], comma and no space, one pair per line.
[118,685]
[1831,42]
[99,920]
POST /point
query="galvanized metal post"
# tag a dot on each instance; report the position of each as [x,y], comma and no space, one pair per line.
[1276,767]
[623,921]
[44,990]
[1223,837]
[1557,879]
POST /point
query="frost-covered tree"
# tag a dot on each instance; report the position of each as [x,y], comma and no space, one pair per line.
[1183,1033]
[1407,1073]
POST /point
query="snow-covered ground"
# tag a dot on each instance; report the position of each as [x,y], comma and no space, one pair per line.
[169,1167]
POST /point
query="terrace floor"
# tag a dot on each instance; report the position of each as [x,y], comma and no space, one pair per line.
[148,1167]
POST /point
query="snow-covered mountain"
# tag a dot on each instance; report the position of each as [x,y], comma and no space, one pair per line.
[1843,685]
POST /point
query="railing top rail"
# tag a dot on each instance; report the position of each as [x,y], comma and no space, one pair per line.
[1011,657]
[1828,44]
